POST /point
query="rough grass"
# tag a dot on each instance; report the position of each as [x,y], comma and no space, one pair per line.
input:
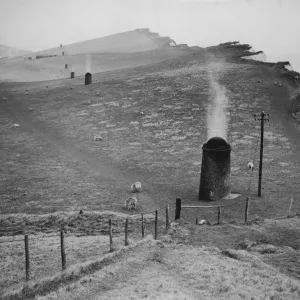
[86,237]
[72,273]
[168,271]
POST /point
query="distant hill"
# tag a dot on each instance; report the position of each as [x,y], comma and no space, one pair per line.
[6,51]
[125,42]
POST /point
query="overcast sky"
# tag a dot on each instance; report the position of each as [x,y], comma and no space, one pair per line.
[268,25]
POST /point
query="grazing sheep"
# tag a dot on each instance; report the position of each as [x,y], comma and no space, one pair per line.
[141,113]
[87,102]
[97,138]
[30,109]
[130,203]
[250,166]
[16,125]
[4,99]
[136,187]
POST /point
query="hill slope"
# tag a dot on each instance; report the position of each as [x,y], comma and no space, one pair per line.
[6,51]
[54,67]
[130,41]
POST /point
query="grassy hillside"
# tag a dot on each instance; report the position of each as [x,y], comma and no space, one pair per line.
[166,270]
[152,123]
[54,67]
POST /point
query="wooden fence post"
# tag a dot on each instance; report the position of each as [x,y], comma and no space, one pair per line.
[143,231]
[26,257]
[110,237]
[246,210]
[126,232]
[155,233]
[219,214]
[197,221]
[62,247]
[178,208]
[167,217]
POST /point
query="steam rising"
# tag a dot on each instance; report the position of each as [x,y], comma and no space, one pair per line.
[217,121]
[88,63]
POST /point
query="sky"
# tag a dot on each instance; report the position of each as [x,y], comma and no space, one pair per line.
[267,25]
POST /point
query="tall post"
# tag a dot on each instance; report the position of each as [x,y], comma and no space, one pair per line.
[178,208]
[62,248]
[111,249]
[263,117]
[246,210]
[167,217]
[26,257]
[143,228]
[155,232]
[126,232]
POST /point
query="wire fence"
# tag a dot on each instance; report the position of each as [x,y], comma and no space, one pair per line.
[66,243]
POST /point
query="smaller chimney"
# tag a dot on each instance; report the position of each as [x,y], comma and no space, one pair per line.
[63,53]
[72,75]
[88,78]
[66,66]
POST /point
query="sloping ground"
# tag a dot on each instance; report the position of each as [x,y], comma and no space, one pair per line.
[6,51]
[160,270]
[162,146]
[86,238]
[130,41]
[54,67]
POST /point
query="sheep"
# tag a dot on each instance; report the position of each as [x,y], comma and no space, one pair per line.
[130,203]
[136,187]
[97,138]
[250,166]
[16,125]
[4,99]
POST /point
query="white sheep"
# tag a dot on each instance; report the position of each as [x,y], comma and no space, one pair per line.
[4,99]
[130,203]
[250,166]
[16,125]
[136,187]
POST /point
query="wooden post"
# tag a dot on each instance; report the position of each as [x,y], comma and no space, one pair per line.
[110,237]
[219,214]
[263,117]
[62,247]
[143,231]
[246,210]
[167,217]
[155,233]
[197,221]
[126,232]
[178,208]
[26,257]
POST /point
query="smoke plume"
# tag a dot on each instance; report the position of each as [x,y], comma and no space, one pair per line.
[217,122]
[88,63]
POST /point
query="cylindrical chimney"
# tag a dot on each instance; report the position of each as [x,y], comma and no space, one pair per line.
[72,75]
[88,78]
[66,66]
[215,170]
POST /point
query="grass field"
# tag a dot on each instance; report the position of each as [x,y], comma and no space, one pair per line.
[152,121]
